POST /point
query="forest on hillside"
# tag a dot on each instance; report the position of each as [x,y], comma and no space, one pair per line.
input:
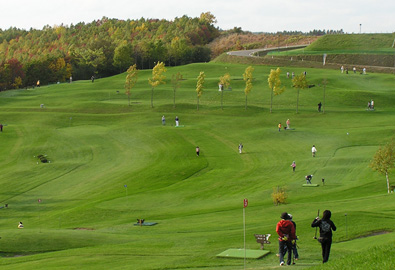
[101,48]
[107,47]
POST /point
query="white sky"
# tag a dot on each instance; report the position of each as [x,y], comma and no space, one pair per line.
[374,16]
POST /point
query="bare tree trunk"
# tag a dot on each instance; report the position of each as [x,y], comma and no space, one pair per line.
[222,95]
[388,182]
[297,102]
[246,103]
[271,101]
[152,97]
[198,103]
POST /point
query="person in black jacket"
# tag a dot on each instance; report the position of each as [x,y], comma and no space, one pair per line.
[326,226]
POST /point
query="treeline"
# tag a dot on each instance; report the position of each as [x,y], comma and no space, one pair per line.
[102,48]
[312,32]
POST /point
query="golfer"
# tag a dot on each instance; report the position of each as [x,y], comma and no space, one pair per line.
[177,121]
[286,232]
[326,226]
[293,165]
[240,147]
[197,151]
[313,151]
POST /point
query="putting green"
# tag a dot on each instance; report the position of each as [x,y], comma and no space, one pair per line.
[310,185]
[239,253]
[146,224]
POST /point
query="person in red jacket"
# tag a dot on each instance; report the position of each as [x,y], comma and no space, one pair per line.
[286,232]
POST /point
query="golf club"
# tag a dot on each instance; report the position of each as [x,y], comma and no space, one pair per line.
[315,236]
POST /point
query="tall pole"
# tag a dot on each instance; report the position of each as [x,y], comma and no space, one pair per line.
[245,204]
[244,225]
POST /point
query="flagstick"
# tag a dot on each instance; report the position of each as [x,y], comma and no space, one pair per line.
[244,224]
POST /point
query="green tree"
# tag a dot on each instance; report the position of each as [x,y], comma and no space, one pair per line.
[123,56]
[299,82]
[157,78]
[131,80]
[247,76]
[275,85]
[224,81]
[384,161]
[200,86]
[175,81]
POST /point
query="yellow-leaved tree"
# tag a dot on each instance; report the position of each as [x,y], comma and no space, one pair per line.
[157,78]
[224,82]
[247,76]
[275,85]
[200,86]
[299,82]
[131,80]
[384,161]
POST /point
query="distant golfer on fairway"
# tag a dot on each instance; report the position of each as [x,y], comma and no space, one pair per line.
[313,151]
[293,165]
[176,121]
[197,151]
[20,225]
[240,147]
[326,226]
[308,178]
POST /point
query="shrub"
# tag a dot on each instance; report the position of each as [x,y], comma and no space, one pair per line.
[279,195]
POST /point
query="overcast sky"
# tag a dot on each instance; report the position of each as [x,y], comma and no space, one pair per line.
[370,16]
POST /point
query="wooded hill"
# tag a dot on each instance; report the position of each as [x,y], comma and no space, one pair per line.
[102,48]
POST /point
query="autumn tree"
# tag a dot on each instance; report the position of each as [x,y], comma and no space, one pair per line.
[157,78]
[275,85]
[384,161]
[247,76]
[200,86]
[224,81]
[299,82]
[131,80]
[175,81]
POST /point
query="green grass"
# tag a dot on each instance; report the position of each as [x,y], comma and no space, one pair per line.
[97,144]
[380,44]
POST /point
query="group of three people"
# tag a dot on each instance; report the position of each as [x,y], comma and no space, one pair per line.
[286,230]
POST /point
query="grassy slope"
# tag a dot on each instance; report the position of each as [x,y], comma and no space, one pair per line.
[97,144]
[377,44]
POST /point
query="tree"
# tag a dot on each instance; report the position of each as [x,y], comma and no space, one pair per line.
[200,86]
[157,78]
[247,76]
[131,80]
[299,82]
[175,81]
[224,81]
[275,85]
[384,161]
[123,56]
[324,83]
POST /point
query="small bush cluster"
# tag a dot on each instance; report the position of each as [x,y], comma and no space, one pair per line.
[279,195]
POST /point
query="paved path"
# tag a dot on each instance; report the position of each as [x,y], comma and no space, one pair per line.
[250,53]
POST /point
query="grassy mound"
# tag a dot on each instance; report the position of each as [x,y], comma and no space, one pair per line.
[354,43]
